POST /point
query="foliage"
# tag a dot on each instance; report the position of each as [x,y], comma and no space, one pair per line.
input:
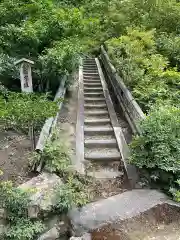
[48,32]
[21,110]
[169,46]
[159,144]
[142,68]
[157,149]
[15,201]
[56,157]
[175,191]
[71,194]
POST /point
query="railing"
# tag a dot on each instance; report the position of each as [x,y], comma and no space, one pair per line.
[49,125]
[130,107]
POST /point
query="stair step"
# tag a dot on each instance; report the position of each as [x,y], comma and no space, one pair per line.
[96,113]
[91,69]
[93,89]
[100,143]
[91,73]
[102,156]
[89,61]
[98,131]
[105,174]
[97,121]
[95,106]
[86,99]
[95,76]
[94,84]
[94,94]
[89,81]
[89,65]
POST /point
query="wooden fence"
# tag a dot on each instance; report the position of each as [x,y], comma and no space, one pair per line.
[130,107]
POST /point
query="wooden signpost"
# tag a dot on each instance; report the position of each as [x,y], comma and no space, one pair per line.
[26,86]
[25,74]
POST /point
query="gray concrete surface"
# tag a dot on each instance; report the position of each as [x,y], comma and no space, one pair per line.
[116,208]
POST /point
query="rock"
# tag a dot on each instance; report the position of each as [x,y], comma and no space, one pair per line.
[3,227]
[54,233]
[86,236]
[43,196]
[117,208]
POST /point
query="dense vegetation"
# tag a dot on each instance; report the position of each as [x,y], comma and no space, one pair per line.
[146,54]
[142,39]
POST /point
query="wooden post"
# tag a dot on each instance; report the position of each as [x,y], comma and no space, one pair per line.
[26,86]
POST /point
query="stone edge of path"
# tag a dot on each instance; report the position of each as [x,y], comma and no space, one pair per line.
[117,208]
[50,123]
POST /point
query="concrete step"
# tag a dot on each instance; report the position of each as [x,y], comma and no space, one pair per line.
[90,131]
[89,65]
[91,81]
[93,94]
[89,61]
[94,100]
[96,113]
[90,106]
[100,143]
[105,174]
[93,89]
[90,76]
[103,155]
[96,121]
[90,69]
[92,84]
[91,73]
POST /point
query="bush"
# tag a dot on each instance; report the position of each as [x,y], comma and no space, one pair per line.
[159,144]
[158,148]
[21,111]
[15,201]
[71,194]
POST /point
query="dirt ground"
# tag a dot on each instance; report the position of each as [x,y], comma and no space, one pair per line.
[15,151]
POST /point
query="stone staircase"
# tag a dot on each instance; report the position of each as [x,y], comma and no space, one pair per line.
[100,145]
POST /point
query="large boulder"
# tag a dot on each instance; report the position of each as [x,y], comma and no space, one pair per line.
[43,193]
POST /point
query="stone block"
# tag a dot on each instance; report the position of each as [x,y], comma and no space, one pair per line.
[43,193]
[85,236]
[117,208]
[60,229]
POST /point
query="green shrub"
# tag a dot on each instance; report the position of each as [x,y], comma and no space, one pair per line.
[56,157]
[175,191]
[169,46]
[21,110]
[159,144]
[143,69]
[71,194]
[15,201]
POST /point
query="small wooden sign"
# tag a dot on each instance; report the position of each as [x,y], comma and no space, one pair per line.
[25,74]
